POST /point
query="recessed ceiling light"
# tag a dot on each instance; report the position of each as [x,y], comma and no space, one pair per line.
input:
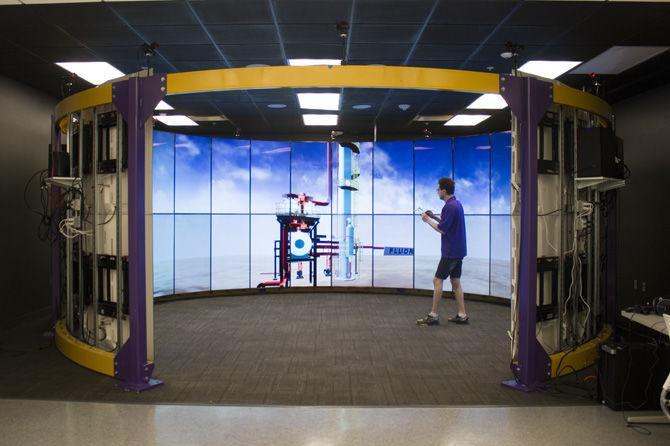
[466,120]
[361,106]
[319,101]
[550,69]
[304,62]
[175,120]
[488,101]
[403,107]
[257,65]
[276,105]
[162,106]
[94,72]
[320,119]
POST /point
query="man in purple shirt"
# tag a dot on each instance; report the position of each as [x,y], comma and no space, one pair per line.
[451,225]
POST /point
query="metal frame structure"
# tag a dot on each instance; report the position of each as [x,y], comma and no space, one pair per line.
[136,97]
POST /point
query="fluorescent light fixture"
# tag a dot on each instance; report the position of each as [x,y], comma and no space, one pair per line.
[361,106]
[276,105]
[433,118]
[488,101]
[162,106]
[208,118]
[175,120]
[304,62]
[319,101]
[320,119]
[466,120]
[549,69]
[619,59]
[94,72]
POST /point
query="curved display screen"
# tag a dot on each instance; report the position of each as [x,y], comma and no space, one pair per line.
[219,206]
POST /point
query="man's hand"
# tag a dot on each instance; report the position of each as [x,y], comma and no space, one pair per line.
[425,216]
[429,213]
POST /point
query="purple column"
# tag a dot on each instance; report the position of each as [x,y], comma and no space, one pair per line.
[611,248]
[136,99]
[529,99]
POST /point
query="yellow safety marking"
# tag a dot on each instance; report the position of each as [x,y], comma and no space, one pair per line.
[83,354]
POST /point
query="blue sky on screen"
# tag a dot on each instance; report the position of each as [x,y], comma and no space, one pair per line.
[501,227]
[432,160]
[230,251]
[405,177]
[192,248]
[309,171]
[192,174]
[163,260]
[270,170]
[501,172]
[230,175]
[471,173]
[393,178]
[163,172]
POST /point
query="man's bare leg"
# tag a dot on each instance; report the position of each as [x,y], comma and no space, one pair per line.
[437,293]
[458,293]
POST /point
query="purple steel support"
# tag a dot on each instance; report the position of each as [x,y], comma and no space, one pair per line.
[611,274]
[136,99]
[529,99]
[54,209]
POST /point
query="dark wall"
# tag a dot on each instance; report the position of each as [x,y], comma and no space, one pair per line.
[643,122]
[25,115]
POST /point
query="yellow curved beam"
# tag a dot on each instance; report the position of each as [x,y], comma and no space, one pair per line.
[84,99]
[82,353]
[579,358]
[347,76]
[565,95]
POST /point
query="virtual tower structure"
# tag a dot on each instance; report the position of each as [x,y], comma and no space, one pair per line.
[347,184]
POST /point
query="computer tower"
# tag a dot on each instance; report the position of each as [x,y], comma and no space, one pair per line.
[629,375]
[599,153]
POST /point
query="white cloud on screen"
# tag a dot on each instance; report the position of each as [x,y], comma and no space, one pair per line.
[192,188]
[260,173]
[500,205]
[473,192]
[230,195]
[190,148]
[192,200]
[393,193]
[393,196]
[277,150]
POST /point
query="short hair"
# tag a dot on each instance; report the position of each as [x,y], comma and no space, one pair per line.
[447,184]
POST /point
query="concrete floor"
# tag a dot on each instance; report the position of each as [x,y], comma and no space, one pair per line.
[32,422]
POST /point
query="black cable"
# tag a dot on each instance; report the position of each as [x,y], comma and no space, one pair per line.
[25,191]
[549,213]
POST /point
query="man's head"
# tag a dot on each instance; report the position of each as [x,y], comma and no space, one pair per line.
[445,188]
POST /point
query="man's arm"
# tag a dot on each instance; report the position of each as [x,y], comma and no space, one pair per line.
[433,216]
[425,217]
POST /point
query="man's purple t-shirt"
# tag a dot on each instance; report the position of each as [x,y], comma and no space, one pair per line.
[452,225]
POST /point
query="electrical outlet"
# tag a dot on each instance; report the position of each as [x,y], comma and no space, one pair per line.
[644,287]
[635,284]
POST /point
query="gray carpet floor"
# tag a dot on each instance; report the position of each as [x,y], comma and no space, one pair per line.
[298,349]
